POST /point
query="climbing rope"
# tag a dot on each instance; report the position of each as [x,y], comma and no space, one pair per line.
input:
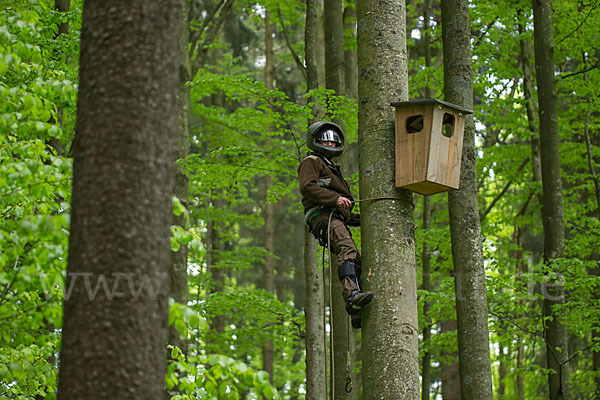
[348,386]
[332,354]
[377,198]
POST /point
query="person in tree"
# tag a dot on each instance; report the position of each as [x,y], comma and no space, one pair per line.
[327,204]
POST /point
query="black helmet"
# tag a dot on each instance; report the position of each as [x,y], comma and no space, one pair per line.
[325,131]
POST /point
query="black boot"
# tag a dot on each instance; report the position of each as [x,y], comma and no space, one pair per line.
[358,300]
[354,297]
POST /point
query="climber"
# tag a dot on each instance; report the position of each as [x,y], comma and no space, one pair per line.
[324,190]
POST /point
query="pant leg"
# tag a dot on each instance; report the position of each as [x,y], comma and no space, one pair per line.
[342,245]
[345,249]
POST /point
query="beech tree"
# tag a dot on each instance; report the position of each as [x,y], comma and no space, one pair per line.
[123,177]
[557,352]
[467,253]
[389,340]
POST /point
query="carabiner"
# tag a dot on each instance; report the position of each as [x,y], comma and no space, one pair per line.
[348,385]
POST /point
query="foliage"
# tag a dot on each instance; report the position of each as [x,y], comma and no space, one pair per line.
[240,134]
[36,123]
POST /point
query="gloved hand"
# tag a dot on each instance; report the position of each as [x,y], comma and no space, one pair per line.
[354,220]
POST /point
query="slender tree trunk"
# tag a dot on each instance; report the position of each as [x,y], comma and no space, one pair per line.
[557,352]
[320,38]
[334,46]
[426,258]
[350,61]
[594,271]
[269,209]
[450,372]
[530,105]
[465,229]
[350,164]
[501,372]
[214,249]
[315,350]
[114,340]
[520,382]
[178,274]
[390,323]
[335,80]
[525,47]
[426,362]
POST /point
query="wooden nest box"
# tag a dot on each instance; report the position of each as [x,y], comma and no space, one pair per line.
[429,141]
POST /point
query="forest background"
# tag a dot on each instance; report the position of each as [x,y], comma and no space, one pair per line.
[240,224]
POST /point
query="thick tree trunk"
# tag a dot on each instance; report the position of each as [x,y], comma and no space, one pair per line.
[390,323]
[465,229]
[557,352]
[114,339]
[315,350]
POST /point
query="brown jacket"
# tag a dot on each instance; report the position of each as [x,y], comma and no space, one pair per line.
[322,183]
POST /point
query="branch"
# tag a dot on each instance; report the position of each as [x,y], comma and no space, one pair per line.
[210,36]
[502,193]
[578,26]
[287,42]
[195,36]
[581,72]
[9,284]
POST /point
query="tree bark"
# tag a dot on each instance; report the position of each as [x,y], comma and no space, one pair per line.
[426,257]
[426,362]
[465,229]
[557,352]
[450,372]
[114,339]
[269,209]
[335,80]
[334,46]
[315,350]
[350,62]
[178,274]
[389,323]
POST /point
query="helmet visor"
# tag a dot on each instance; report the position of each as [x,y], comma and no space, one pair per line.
[329,135]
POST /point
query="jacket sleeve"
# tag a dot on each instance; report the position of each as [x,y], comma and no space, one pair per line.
[354,219]
[308,175]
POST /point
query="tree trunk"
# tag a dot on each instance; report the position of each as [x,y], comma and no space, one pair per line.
[315,350]
[114,338]
[334,46]
[269,209]
[390,323]
[426,362]
[178,274]
[465,228]
[335,80]
[557,352]
[450,374]
[350,62]
[426,259]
